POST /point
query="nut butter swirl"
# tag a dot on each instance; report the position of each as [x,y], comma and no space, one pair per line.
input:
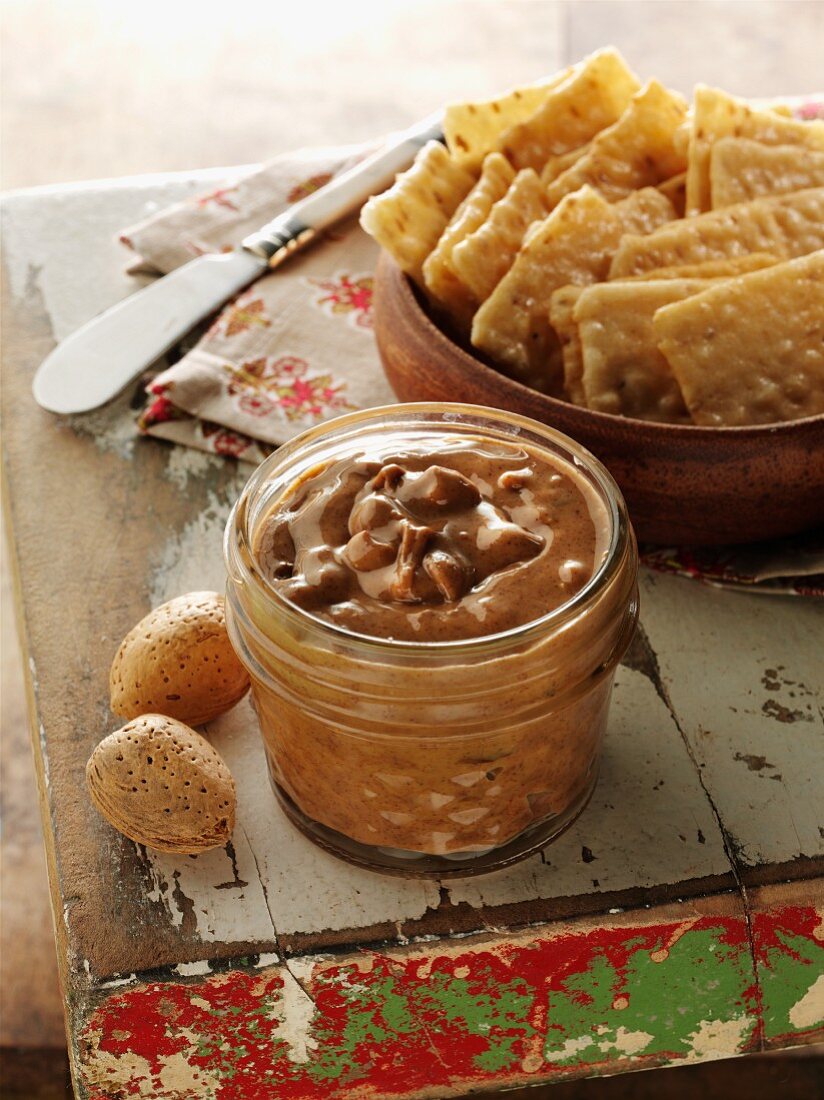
[463,539]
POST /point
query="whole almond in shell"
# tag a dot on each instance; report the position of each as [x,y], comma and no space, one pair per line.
[163,785]
[179,661]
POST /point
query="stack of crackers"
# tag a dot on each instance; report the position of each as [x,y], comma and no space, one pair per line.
[606,244]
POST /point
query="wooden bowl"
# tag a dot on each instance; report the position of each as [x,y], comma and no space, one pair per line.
[684,485]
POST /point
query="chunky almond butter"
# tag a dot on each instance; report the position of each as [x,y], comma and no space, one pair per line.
[178,661]
[163,785]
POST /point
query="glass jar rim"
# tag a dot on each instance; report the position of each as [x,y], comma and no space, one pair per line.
[452,414]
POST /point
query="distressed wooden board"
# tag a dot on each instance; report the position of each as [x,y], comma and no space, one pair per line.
[629,991]
[134,522]
[787,935]
[745,677]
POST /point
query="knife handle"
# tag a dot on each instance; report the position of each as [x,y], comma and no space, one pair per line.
[302,222]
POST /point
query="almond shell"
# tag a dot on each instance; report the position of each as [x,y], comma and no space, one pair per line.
[178,661]
[163,785]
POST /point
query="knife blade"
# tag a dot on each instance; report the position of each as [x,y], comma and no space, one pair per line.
[98,360]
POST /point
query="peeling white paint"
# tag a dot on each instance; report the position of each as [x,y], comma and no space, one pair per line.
[809,1011]
[112,427]
[224,900]
[571,1048]
[178,1077]
[193,560]
[626,1042]
[186,462]
[718,1038]
[160,890]
[113,983]
[621,1041]
[294,1013]
[269,958]
[190,970]
[102,1069]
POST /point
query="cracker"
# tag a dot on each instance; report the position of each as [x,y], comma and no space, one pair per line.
[592,97]
[471,129]
[408,219]
[750,350]
[561,307]
[681,138]
[485,256]
[637,151]
[624,373]
[556,165]
[675,189]
[786,226]
[439,274]
[741,170]
[717,115]
[783,109]
[709,269]
[644,211]
[572,245]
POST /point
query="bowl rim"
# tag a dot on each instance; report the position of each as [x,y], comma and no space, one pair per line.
[387,266]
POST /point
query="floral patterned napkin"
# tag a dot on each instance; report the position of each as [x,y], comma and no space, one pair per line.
[294,349]
[297,348]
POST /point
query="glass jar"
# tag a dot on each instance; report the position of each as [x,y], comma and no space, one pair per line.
[430,758]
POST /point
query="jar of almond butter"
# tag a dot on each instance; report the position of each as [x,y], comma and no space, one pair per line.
[431,601]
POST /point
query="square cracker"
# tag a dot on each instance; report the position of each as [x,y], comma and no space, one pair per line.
[675,189]
[592,97]
[561,307]
[636,151]
[716,115]
[408,219]
[572,245]
[483,258]
[472,129]
[741,170]
[439,275]
[750,350]
[624,373]
[784,225]
[644,211]
[641,212]
[556,165]
[709,269]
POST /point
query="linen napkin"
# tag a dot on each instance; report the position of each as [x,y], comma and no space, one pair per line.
[292,350]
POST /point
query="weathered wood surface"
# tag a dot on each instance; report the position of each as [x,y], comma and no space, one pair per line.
[720,692]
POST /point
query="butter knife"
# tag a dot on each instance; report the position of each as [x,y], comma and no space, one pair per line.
[98,360]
